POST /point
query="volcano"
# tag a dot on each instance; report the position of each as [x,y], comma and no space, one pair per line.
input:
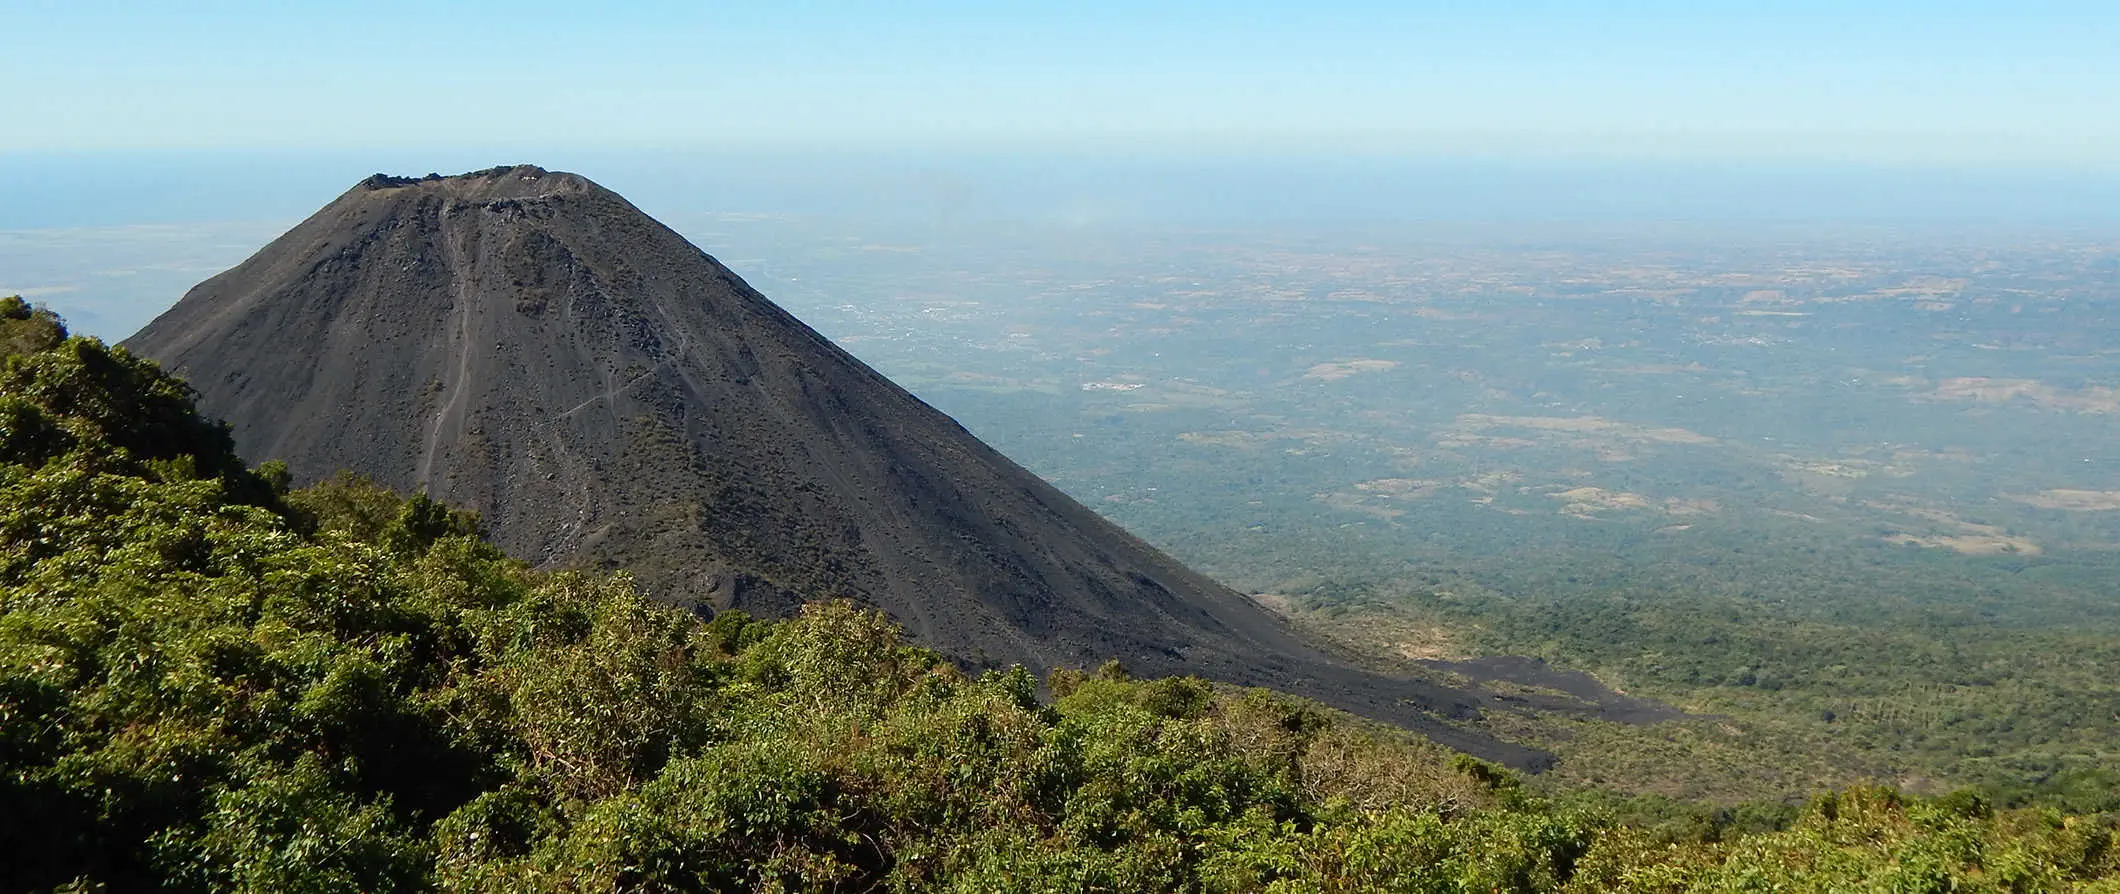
[530,345]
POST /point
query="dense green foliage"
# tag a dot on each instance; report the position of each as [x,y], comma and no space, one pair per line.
[208,682]
[2027,714]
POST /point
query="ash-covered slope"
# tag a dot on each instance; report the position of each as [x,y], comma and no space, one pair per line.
[528,344]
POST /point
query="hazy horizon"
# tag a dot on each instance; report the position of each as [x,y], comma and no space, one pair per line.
[110,239]
[40,190]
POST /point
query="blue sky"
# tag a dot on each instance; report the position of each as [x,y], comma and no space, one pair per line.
[2022,86]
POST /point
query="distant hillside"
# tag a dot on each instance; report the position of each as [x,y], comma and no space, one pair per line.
[529,345]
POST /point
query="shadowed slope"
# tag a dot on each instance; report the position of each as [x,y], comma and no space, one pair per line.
[530,345]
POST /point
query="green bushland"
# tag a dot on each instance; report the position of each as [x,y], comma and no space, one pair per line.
[210,682]
[2026,715]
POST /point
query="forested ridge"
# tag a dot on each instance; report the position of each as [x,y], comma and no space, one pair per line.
[209,682]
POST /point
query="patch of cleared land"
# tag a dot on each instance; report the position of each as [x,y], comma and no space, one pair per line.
[1971,544]
[1609,440]
[1981,389]
[1335,371]
[2072,500]
[1843,467]
[1586,502]
[1953,533]
[1587,425]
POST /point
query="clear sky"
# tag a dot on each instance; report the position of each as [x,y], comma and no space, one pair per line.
[2024,85]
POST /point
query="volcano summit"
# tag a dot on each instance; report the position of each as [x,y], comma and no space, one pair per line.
[530,345]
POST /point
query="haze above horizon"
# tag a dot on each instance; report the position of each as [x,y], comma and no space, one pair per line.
[2020,87]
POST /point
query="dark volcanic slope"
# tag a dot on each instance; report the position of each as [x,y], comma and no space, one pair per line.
[529,344]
